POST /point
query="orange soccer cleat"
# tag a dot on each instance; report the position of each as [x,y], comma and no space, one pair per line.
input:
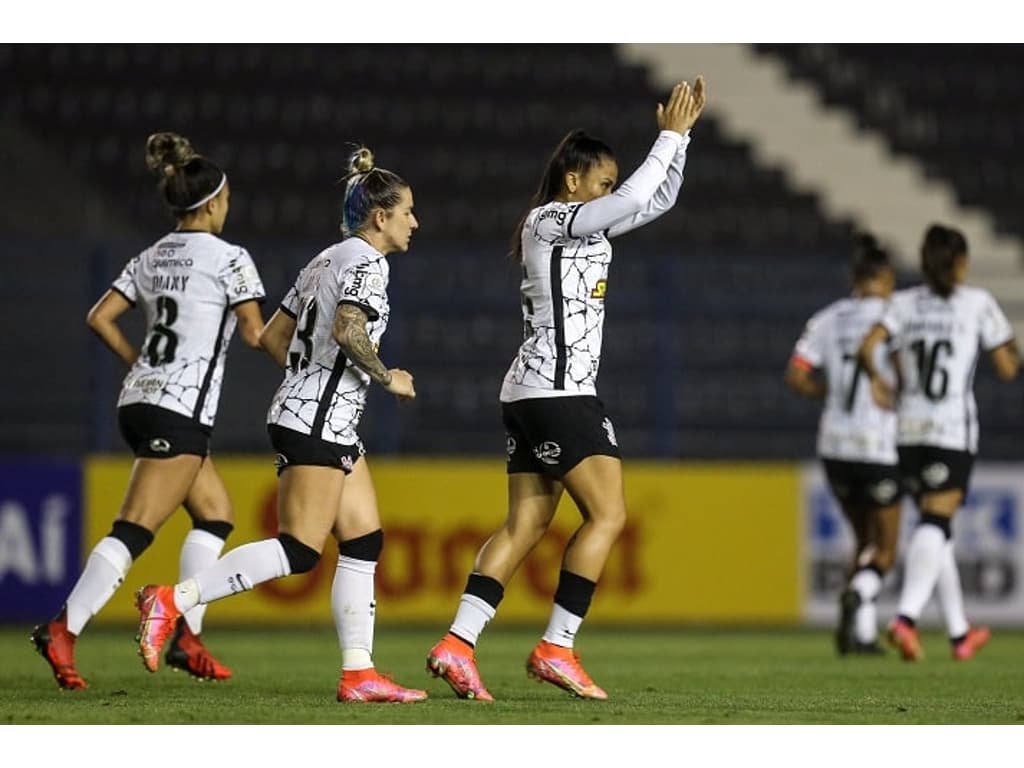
[157,617]
[57,645]
[973,641]
[188,653]
[904,638]
[368,685]
[561,666]
[453,661]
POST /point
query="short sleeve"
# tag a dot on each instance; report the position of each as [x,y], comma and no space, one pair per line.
[240,278]
[554,222]
[365,286]
[125,282]
[893,321]
[993,326]
[810,347]
[290,302]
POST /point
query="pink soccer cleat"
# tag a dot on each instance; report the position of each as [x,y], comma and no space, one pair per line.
[904,638]
[973,641]
[561,666]
[453,661]
[157,617]
[368,685]
[57,645]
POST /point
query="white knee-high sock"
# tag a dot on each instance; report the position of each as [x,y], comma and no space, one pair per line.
[951,594]
[867,583]
[354,608]
[199,551]
[923,563]
[104,572]
[239,570]
[471,617]
[562,627]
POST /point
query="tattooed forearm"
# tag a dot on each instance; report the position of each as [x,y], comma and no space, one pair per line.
[350,333]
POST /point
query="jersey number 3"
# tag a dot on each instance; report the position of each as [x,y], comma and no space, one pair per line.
[300,352]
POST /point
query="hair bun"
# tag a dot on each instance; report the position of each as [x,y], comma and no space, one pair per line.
[361,160]
[166,152]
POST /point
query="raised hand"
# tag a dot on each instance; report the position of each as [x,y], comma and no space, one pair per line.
[683,107]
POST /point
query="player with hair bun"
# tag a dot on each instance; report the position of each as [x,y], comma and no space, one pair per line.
[325,335]
[194,289]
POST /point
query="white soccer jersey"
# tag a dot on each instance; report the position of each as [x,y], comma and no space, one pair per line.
[939,341]
[852,427]
[566,256]
[323,393]
[187,284]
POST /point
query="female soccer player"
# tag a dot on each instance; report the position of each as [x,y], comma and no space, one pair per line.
[193,288]
[558,435]
[325,335]
[939,330]
[856,437]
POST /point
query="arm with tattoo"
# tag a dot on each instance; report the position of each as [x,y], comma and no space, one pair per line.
[350,333]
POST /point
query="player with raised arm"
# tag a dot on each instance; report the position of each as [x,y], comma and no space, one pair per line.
[558,435]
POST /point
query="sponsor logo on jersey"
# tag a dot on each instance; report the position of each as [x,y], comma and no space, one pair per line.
[548,452]
[935,474]
[159,445]
[552,213]
[148,385]
[600,289]
[607,424]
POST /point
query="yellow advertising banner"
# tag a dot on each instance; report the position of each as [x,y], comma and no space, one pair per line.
[714,543]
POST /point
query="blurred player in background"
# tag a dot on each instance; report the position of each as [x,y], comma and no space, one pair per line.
[325,335]
[558,434]
[939,330]
[856,437]
[194,288]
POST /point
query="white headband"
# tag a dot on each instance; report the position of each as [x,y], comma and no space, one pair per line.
[209,197]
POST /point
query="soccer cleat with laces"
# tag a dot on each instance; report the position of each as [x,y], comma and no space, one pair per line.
[368,685]
[973,641]
[57,645]
[904,638]
[157,618]
[453,661]
[561,666]
[188,653]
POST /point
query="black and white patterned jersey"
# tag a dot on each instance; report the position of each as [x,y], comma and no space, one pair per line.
[939,341]
[852,427]
[187,284]
[323,394]
[566,257]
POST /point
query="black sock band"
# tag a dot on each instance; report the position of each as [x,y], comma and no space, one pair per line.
[301,558]
[574,593]
[134,537]
[366,547]
[939,521]
[219,528]
[487,589]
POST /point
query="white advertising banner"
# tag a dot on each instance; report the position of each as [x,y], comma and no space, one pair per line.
[987,538]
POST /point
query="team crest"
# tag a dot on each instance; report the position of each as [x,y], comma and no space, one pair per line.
[159,445]
[548,452]
[935,474]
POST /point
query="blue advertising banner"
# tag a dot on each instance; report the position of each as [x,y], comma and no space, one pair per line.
[40,536]
[987,537]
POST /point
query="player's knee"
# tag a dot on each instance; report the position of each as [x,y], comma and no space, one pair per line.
[301,559]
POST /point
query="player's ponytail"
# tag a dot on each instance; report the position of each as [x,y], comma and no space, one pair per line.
[869,258]
[576,152]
